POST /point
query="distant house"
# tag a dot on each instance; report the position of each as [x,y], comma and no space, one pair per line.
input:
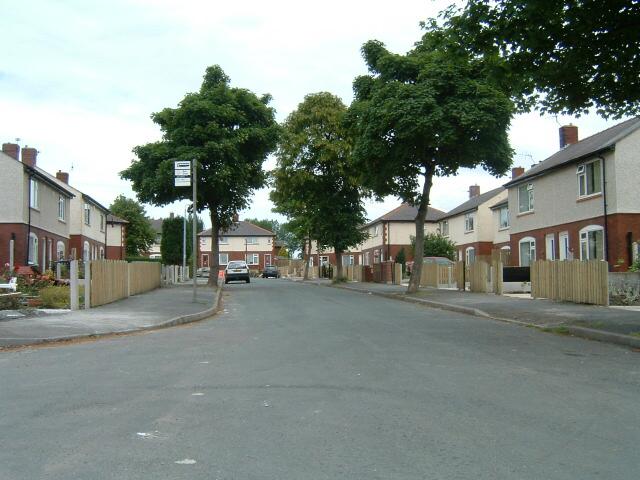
[154,250]
[34,211]
[392,232]
[242,241]
[327,256]
[582,202]
[116,237]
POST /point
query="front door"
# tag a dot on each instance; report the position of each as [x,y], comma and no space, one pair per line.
[267,259]
[564,246]
[551,246]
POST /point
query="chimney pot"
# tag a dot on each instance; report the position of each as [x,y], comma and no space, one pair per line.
[29,156]
[516,172]
[474,191]
[171,215]
[568,135]
[236,218]
[62,176]
[11,149]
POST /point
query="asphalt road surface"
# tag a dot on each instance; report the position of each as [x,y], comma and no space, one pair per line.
[296,381]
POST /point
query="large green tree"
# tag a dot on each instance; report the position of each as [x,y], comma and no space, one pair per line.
[563,56]
[283,233]
[314,181]
[426,114]
[228,131]
[140,234]
[171,244]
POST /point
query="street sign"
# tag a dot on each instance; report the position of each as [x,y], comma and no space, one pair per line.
[182,181]
[182,165]
[182,172]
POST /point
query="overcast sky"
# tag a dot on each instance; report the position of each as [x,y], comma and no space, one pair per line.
[79,79]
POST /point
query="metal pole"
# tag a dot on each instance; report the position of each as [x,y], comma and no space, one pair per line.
[194,250]
[184,244]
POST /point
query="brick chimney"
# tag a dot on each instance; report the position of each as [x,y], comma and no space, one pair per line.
[11,149]
[568,135]
[62,176]
[516,172]
[474,191]
[236,218]
[29,156]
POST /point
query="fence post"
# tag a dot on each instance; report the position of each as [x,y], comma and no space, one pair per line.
[87,284]
[58,271]
[128,279]
[73,284]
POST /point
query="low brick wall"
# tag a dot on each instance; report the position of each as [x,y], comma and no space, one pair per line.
[624,279]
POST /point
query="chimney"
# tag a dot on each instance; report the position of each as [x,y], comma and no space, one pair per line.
[236,218]
[568,135]
[62,176]
[516,172]
[474,191]
[29,156]
[171,215]
[11,149]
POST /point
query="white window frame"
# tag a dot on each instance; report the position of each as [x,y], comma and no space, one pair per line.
[376,256]
[255,259]
[584,234]
[444,228]
[376,231]
[60,250]
[62,208]
[34,195]
[86,251]
[470,255]
[251,241]
[564,246]
[506,224]
[367,258]
[102,223]
[531,242]
[347,260]
[33,249]
[87,214]
[223,241]
[469,222]
[223,258]
[550,246]
[582,173]
[528,189]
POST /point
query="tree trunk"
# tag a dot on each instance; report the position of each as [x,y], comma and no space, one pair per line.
[306,256]
[214,264]
[418,251]
[338,275]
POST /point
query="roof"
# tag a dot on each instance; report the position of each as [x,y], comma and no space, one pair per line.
[95,202]
[111,218]
[241,229]
[156,224]
[407,213]
[50,180]
[473,203]
[500,204]
[588,147]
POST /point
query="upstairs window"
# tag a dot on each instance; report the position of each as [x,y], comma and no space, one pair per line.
[62,202]
[504,217]
[102,223]
[33,193]
[252,240]
[223,241]
[525,198]
[468,222]
[87,214]
[589,178]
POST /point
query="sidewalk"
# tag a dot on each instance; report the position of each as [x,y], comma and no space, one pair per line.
[163,307]
[613,325]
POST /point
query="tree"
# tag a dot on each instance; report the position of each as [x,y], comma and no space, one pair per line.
[565,56]
[140,234]
[172,236]
[435,245]
[426,114]
[282,232]
[228,131]
[314,182]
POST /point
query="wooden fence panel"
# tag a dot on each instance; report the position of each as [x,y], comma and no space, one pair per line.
[479,276]
[143,277]
[571,281]
[109,281]
[460,275]
[429,276]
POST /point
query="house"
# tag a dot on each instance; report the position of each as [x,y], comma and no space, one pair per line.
[242,241]
[392,232]
[582,202]
[154,250]
[35,211]
[472,226]
[116,237]
[327,256]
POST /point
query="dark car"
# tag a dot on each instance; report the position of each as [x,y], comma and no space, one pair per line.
[236,270]
[270,271]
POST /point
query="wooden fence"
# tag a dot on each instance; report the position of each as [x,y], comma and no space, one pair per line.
[571,281]
[144,276]
[479,276]
[109,281]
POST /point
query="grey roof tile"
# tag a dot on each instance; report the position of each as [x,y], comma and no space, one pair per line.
[241,229]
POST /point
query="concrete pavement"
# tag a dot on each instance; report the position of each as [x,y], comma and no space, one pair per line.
[159,308]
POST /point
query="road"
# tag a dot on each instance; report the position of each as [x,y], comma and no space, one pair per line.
[295,381]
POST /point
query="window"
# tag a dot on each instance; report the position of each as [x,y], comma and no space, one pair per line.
[33,193]
[101,222]
[223,241]
[60,250]
[468,222]
[251,241]
[527,251]
[347,260]
[525,198]
[101,253]
[253,259]
[470,255]
[311,260]
[61,207]
[87,214]
[33,249]
[589,178]
[376,256]
[504,217]
[550,241]
[444,228]
[565,253]
[86,252]
[375,231]
[367,258]
[223,258]
[592,243]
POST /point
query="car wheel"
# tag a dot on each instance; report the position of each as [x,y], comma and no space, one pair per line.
[248,280]
[226,281]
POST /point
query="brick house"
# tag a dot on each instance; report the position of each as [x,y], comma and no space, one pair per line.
[582,202]
[392,232]
[116,237]
[243,241]
[328,256]
[35,213]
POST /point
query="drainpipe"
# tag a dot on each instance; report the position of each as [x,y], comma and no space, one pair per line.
[26,260]
[604,205]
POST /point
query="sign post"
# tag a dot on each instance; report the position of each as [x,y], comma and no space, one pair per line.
[194,250]
[185,176]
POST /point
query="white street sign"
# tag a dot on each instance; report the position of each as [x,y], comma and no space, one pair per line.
[182,164]
[182,181]
[182,172]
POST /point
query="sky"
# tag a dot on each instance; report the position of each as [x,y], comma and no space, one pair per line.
[79,79]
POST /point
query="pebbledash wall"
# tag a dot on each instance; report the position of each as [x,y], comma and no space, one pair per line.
[388,238]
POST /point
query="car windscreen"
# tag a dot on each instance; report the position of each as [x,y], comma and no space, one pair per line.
[237,265]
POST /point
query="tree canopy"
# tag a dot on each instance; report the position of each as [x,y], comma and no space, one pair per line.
[283,233]
[172,236]
[563,56]
[228,131]
[423,114]
[314,181]
[140,234]
[435,245]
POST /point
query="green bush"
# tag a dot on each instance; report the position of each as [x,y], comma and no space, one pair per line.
[143,259]
[9,302]
[55,297]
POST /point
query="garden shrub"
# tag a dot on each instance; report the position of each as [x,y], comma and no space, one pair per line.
[55,297]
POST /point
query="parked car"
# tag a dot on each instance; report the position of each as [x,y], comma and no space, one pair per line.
[236,270]
[270,271]
[203,272]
